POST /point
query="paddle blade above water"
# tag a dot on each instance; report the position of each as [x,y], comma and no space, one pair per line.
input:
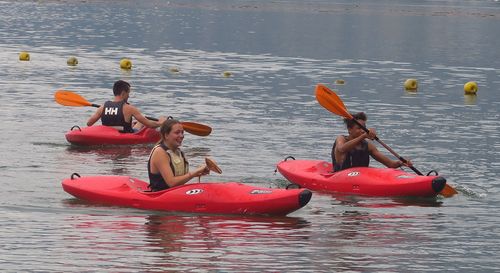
[212,165]
[68,98]
[196,128]
[331,101]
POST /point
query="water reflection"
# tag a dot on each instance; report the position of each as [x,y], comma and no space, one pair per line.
[186,242]
[375,235]
[470,99]
[213,229]
[222,243]
[384,228]
[109,152]
[384,202]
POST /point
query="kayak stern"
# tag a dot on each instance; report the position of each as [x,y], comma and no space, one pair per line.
[438,184]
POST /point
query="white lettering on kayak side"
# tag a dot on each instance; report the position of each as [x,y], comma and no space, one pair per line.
[405,176]
[194,191]
[111,111]
[261,191]
[353,174]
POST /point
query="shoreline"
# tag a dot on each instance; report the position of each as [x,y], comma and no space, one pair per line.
[488,10]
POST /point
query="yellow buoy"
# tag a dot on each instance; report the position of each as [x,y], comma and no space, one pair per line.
[470,88]
[174,70]
[125,64]
[340,82]
[227,74]
[72,61]
[24,56]
[411,85]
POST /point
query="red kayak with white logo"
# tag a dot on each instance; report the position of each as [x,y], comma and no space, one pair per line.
[218,198]
[317,175]
[105,135]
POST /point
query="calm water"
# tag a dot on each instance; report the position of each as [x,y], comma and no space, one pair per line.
[277,52]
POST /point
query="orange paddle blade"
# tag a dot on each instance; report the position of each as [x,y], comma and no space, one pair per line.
[212,165]
[448,191]
[331,102]
[68,98]
[196,128]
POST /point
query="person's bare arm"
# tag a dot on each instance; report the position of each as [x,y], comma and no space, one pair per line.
[344,146]
[95,117]
[142,119]
[380,157]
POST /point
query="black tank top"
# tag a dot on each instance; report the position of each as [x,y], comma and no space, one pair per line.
[112,115]
[354,158]
[156,181]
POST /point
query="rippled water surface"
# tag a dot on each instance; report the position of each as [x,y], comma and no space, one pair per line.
[277,52]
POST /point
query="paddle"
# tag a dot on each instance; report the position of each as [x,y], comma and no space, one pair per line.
[68,98]
[212,165]
[331,102]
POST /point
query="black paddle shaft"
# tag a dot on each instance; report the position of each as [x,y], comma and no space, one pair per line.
[387,147]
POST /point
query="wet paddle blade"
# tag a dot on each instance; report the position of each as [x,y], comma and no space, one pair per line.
[212,165]
[196,128]
[448,191]
[68,98]
[331,102]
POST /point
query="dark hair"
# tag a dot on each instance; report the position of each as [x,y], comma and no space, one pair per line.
[358,116]
[120,86]
[166,127]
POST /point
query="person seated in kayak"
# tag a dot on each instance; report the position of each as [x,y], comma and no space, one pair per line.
[354,151]
[118,113]
[167,165]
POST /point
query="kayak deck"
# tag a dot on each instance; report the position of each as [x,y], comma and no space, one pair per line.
[214,197]
[105,135]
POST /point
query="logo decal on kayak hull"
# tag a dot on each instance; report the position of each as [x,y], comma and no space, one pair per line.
[353,174]
[194,191]
[405,176]
[261,192]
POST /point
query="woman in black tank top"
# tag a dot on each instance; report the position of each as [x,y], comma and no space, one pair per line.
[354,151]
[167,166]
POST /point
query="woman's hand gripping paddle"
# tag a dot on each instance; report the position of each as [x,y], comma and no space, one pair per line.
[211,166]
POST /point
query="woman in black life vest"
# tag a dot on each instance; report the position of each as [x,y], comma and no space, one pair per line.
[167,165]
[354,151]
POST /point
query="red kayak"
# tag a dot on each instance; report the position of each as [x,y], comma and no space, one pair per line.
[104,135]
[219,198]
[317,175]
